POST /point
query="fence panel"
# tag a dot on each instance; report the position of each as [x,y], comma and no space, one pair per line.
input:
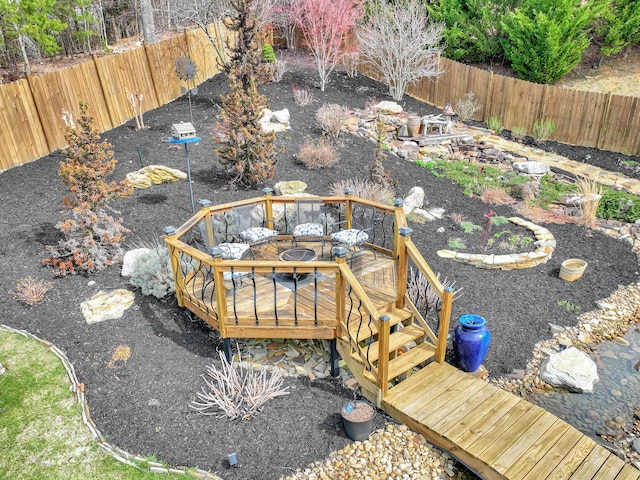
[162,58]
[63,90]
[514,102]
[578,116]
[21,136]
[122,75]
[203,54]
[621,133]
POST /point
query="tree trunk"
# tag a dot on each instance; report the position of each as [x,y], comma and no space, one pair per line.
[148,24]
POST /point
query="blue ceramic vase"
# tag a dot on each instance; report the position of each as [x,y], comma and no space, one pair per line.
[471,339]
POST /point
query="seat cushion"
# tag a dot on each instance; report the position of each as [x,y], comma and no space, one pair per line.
[308,230]
[233,251]
[350,237]
[256,234]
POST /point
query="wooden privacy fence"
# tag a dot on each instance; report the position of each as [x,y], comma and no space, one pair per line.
[600,120]
[31,108]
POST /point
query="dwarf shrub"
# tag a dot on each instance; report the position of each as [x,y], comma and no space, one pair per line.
[268,55]
[315,154]
[152,273]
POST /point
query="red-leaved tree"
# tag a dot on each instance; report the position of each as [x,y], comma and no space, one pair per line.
[324,25]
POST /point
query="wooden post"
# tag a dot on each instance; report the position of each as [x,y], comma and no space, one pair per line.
[221,296]
[169,237]
[341,258]
[383,355]
[209,241]
[348,207]
[403,266]
[400,221]
[445,318]
[268,208]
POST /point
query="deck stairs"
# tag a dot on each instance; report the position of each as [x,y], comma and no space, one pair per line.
[408,347]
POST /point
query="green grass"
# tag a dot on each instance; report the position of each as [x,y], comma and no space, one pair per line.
[42,435]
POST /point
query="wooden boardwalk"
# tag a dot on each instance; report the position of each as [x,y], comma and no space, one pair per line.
[495,433]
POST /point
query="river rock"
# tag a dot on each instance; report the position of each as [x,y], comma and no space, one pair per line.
[570,369]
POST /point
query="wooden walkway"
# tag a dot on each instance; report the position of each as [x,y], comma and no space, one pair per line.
[495,433]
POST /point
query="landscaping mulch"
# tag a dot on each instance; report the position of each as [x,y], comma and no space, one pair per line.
[143,406]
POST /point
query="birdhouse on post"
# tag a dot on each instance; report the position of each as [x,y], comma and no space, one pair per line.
[183,130]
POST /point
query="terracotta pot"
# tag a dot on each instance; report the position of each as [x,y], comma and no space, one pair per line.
[413,124]
[572,269]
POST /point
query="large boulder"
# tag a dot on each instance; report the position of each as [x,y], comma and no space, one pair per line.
[154,175]
[387,107]
[292,187]
[277,121]
[130,258]
[413,200]
[570,369]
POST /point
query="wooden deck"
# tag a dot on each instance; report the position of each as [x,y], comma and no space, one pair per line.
[360,303]
[497,434]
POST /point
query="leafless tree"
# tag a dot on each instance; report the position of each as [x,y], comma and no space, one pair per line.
[398,40]
[209,16]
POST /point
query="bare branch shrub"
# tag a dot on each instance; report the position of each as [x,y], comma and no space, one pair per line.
[591,191]
[234,391]
[466,107]
[332,117]
[422,294]
[302,96]
[31,291]
[400,43]
[315,154]
[364,189]
[350,62]
[277,69]
[135,100]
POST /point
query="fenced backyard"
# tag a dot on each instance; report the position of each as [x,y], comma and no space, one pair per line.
[31,108]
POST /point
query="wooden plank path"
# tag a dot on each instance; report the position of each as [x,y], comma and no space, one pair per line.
[497,434]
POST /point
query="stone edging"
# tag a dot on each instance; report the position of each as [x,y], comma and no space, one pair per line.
[545,242]
[117,453]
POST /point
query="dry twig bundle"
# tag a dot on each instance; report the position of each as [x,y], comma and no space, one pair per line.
[235,391]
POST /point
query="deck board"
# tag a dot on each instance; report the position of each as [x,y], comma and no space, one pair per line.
[497,434]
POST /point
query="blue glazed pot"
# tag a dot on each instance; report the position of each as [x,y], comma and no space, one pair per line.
[471,339]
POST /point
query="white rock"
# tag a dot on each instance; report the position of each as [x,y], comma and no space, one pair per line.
[129,260]
[291,187]
[281,116]
[531,168]
[422,215]
[388,107]
[437,212]
[413,200]
[570,369]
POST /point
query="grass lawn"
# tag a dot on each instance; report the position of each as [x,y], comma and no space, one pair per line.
[41,430]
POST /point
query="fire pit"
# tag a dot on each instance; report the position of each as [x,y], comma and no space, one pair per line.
[298,254]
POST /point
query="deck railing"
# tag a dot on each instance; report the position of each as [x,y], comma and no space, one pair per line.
[245,298]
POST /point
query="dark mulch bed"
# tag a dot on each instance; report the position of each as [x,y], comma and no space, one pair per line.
[143,406]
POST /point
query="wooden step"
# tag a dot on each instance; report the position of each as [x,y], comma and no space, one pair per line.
[405,362]
[397,340]
[397,315]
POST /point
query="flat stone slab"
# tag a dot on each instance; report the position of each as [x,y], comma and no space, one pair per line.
[106,305]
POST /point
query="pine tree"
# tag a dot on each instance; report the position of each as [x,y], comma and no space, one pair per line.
[92,238]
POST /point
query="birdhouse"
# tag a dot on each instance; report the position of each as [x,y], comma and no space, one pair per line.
[448,109]
[183,130]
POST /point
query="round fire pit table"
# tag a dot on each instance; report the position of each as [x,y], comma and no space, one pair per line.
[298,254]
